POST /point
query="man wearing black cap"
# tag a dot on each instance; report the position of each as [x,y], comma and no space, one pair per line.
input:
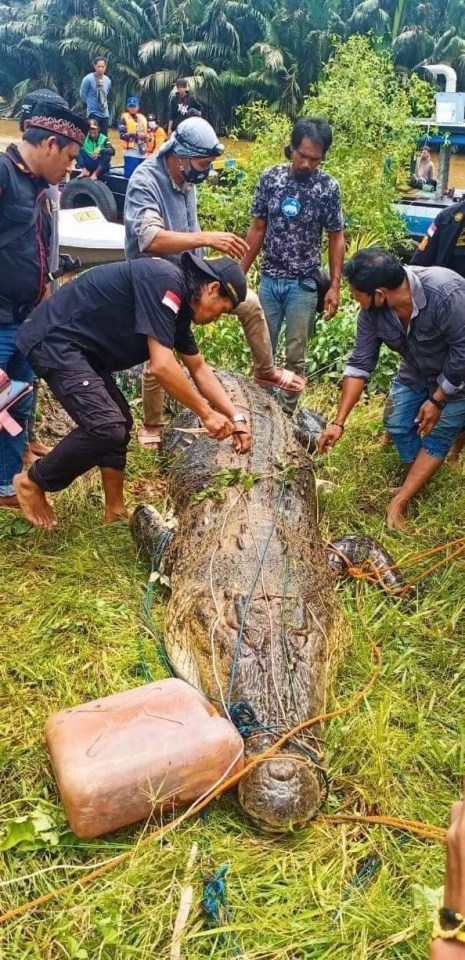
[112,318]
[50,143]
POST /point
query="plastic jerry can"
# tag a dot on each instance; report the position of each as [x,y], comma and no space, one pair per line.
[118,759]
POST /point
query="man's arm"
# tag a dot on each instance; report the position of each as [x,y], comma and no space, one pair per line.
[173,379]
[359,367]
[210,388]
[170,241]
[336,252]
[173,114]
[454,887]
[352,389]
[254,239]
[84,91]
[451,323]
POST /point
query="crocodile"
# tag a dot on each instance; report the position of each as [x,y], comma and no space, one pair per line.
[253,619]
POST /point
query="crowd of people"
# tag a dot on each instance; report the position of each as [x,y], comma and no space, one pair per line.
[416,310]
[144,311]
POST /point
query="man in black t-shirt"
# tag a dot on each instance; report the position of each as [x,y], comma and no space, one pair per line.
[183,105]
[112,318]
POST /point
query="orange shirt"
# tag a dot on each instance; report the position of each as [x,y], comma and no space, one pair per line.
[156,139]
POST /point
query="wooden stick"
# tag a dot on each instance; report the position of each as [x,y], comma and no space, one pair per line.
[185,907]
[194,431]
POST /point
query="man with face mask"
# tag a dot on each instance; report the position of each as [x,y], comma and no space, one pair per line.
[160,216]
[419,312]
[293,204]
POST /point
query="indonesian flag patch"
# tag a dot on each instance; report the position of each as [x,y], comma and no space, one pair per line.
[172,301]
[432,230]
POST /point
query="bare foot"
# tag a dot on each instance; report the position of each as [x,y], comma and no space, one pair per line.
[84,173]
[115,512]
[28,458]
[11,503]
[33,502]
[39,449]
[395,515]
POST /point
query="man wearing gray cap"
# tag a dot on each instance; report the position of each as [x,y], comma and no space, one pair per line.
[160,216]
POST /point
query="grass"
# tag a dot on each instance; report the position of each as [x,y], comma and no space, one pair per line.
[71,630]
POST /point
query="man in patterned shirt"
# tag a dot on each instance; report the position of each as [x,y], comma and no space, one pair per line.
[293,204]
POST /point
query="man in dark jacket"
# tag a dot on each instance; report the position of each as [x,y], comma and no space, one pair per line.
[34,446]
[111,318]
[50,143]
[444,242]
[182,103]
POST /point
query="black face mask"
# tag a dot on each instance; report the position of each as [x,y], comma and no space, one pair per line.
[192,175]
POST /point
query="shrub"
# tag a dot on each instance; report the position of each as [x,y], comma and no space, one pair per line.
[369,107]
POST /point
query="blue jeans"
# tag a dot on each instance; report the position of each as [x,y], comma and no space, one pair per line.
[12,448]
[287,301]
[402,410]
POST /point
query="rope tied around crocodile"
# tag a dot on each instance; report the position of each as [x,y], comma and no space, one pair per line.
[244,718]
[241,713]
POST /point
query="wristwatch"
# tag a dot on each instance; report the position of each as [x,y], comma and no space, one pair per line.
[440,404]
[239,418]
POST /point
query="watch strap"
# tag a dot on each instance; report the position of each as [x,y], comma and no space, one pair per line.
[440,404]
[449,926]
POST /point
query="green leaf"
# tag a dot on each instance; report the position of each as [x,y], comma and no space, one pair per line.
[33,832]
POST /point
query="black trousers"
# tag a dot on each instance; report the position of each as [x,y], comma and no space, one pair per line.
[103,421]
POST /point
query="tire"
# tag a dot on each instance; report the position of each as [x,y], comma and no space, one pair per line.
[83,192]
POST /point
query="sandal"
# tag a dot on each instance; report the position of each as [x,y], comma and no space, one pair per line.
[284,382]
[150,437]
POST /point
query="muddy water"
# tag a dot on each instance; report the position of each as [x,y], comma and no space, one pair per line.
[9,132]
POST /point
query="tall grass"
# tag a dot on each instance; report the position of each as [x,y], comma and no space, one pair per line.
[71,630]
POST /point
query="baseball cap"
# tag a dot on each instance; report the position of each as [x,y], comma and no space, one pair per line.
[133,102]
[227,272]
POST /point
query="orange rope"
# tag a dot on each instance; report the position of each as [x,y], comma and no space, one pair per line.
[375,575]
[425,831]
[195,808]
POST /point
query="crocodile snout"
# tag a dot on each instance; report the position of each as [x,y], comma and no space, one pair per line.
[281,794]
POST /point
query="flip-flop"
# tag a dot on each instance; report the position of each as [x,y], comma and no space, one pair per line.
[152,440]
[284,383]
